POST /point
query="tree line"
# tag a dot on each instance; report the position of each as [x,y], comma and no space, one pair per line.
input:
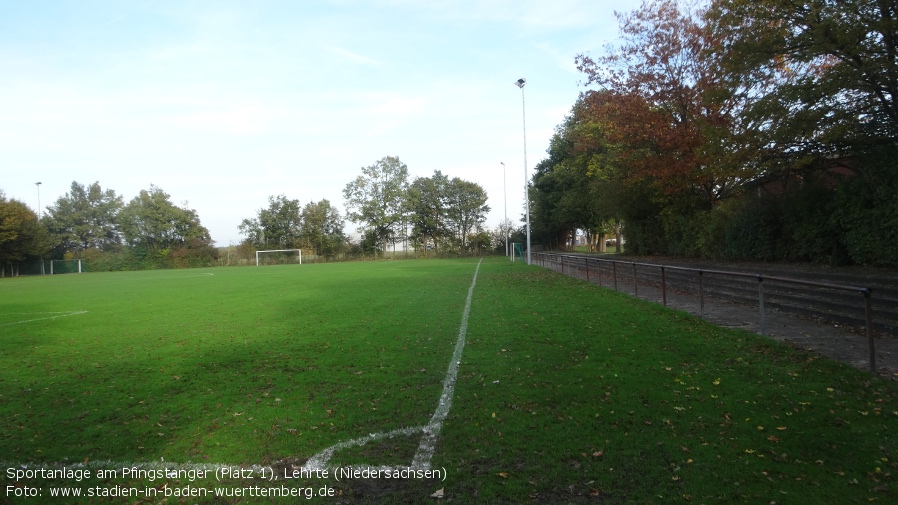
[428,213]
[435,214]
[95,224]
[750,130]
[89,222]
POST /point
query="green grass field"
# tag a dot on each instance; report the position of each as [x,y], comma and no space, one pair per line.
[566,393]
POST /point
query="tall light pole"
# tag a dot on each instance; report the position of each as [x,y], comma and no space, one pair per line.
[505,194]
[520,83]
[38,184]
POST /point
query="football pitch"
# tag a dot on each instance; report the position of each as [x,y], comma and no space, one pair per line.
[408,381]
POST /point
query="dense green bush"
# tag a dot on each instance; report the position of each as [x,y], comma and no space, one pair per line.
[138,258]
[823,219]
[752,233]
[866,215]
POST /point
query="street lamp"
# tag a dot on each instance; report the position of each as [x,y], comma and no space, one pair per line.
[38,184]
[505,194]
[520,83]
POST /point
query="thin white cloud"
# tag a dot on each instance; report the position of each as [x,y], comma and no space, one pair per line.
[563,59]
[355,57]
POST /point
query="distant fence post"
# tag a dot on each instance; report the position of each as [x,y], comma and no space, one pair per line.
[614,273]
[635,282]
[869,317]
[762,321]
[663,286]
[701,294]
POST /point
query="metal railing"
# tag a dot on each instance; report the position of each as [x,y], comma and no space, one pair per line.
[613,269]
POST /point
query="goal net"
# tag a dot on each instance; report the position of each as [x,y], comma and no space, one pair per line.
[517,250]
[279,257]
[64,267]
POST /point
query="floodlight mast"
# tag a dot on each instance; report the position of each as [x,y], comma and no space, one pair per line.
[520,83]
[505,194]
[39,213]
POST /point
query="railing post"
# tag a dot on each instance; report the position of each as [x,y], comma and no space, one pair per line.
[562,264]
[587,269]
[635,282]
[701,294]
[869,317]
[614,273]
[763,322]
[663,286]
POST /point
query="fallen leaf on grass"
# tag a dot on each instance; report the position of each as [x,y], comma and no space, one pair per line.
[504,475]
[438,493]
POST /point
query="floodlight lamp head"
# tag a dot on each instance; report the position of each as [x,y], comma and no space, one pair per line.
[520,83]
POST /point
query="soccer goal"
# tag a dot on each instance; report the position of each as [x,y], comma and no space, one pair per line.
[65,267]
[517,249]
[279,257]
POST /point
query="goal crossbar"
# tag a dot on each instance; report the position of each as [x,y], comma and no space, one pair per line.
[72,262]
[298,251]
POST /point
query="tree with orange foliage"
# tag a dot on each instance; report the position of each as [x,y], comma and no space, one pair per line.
[663,103]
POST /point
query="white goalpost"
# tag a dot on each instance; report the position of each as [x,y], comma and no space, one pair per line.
[65,266]
[297,251]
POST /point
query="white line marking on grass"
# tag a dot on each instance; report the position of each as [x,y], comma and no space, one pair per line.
[167,277]
[319,461]
[431,430]
[60,314]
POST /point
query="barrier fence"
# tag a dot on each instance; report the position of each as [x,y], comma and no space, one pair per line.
[683,280]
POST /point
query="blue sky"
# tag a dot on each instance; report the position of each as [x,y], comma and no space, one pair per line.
[225,103]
